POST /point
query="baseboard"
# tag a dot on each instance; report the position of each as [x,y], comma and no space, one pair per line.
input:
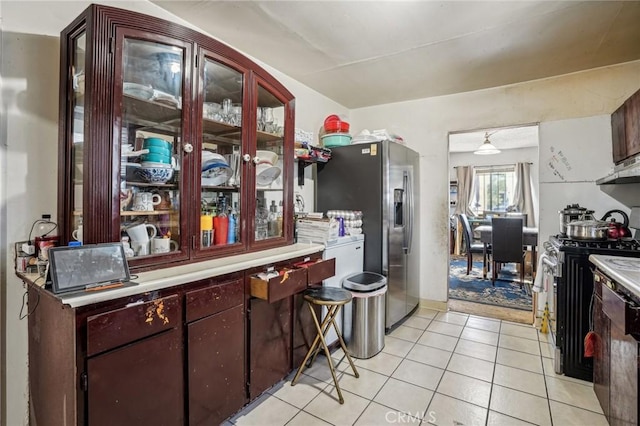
[433,304]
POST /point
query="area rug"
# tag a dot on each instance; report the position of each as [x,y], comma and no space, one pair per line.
[506,293]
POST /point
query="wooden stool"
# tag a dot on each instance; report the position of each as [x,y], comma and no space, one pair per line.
[333,299]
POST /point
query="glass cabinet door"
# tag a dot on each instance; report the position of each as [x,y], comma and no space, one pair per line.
[219,166]
[269,167]
[77,131]
[151,149]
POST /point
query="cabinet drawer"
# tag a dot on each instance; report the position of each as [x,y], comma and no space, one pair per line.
[121,326]
[216,298]
[623,313]
[318,269]
[289,282]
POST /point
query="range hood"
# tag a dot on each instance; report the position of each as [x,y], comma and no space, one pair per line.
[626,172]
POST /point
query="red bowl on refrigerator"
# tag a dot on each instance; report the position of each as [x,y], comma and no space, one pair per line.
[333,124]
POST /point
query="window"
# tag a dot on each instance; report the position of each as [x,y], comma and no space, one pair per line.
[493,188]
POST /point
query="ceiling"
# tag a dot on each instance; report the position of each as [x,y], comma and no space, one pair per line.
[363,53]
[502,138]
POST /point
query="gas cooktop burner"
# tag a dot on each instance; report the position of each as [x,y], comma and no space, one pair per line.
[614,244]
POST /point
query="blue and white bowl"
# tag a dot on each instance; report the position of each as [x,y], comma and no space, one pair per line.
[155,174]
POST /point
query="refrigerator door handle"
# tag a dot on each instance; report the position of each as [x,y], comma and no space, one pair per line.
[405,213]
[410,207]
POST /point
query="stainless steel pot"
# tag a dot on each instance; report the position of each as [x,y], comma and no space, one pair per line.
[573,213]
[588,230]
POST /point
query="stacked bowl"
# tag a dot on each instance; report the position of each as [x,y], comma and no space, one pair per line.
[159,151]
[215,169]
[336,132]
[267,170]
[156,164]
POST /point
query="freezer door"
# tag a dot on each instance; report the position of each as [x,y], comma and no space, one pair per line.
[395,218]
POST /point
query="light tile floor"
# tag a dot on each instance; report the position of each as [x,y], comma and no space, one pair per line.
[437,368]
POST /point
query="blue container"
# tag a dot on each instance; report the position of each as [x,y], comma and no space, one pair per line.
[156,158]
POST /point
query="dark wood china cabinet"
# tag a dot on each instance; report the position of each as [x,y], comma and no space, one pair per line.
[166,127]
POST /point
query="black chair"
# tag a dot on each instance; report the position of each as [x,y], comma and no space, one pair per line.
[470,246]
[507,245]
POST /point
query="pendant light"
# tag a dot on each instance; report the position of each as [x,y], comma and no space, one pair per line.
[486,148]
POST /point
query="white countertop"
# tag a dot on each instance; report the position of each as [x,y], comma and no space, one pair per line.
[177,275]
[623,270]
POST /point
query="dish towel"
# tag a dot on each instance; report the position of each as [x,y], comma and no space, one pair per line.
[539,285]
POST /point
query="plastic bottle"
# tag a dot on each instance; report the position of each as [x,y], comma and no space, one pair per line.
[272,224]
[235,213]
[279,218]
[206,229]
[231,231]
[221,223]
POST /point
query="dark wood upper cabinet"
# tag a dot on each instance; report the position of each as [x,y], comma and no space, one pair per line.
[618,135]
[166,127]
[632,124]
[625,128]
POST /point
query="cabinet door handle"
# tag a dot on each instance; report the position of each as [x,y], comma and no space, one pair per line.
[187,147]
[246,158]
[256,159]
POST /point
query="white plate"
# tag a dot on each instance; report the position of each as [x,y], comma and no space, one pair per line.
[138,90]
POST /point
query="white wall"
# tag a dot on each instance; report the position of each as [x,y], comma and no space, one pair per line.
[574,153]
[425,124]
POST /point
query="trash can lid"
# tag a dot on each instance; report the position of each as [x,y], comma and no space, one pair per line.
[364,281]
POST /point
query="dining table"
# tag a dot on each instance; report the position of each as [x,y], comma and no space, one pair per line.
[529,238]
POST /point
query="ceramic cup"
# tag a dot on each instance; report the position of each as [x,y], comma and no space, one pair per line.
[144,201]
[163,245]
[77,233]
[141,234]
[140,249]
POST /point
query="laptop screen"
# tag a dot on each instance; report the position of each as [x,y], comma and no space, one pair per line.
[75,268]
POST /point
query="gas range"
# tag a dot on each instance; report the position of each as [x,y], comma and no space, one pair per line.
[573,277]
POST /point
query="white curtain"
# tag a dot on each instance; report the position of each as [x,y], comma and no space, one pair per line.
[465,188]
[523,197]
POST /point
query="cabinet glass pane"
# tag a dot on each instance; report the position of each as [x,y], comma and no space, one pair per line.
[77,131]
[220,170]
[269,170]
[150,147]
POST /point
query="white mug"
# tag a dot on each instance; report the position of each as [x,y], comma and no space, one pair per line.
[77,233]
[140,234]
[163,245]
[140,248]
[144,201]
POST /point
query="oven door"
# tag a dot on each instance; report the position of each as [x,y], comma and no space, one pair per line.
[550,276]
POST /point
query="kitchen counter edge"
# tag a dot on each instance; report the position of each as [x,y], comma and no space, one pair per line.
[628,279]
[172,276]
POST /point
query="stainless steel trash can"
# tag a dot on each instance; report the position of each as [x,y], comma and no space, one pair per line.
[363,317]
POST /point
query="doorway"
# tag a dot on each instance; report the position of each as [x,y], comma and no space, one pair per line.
[482,187]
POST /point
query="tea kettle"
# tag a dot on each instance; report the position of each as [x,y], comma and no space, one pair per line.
[617,230]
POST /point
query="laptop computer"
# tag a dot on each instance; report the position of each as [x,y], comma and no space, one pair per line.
[88,267]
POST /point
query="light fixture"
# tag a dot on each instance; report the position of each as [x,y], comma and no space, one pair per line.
[486,148]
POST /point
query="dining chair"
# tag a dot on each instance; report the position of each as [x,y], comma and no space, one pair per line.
[507,245]
[470,246]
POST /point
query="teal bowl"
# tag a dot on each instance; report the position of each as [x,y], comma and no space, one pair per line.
[158,150]
[156,158]
[148,142]
[336,139]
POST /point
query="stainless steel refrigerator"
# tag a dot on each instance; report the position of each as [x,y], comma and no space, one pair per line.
[380,179]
